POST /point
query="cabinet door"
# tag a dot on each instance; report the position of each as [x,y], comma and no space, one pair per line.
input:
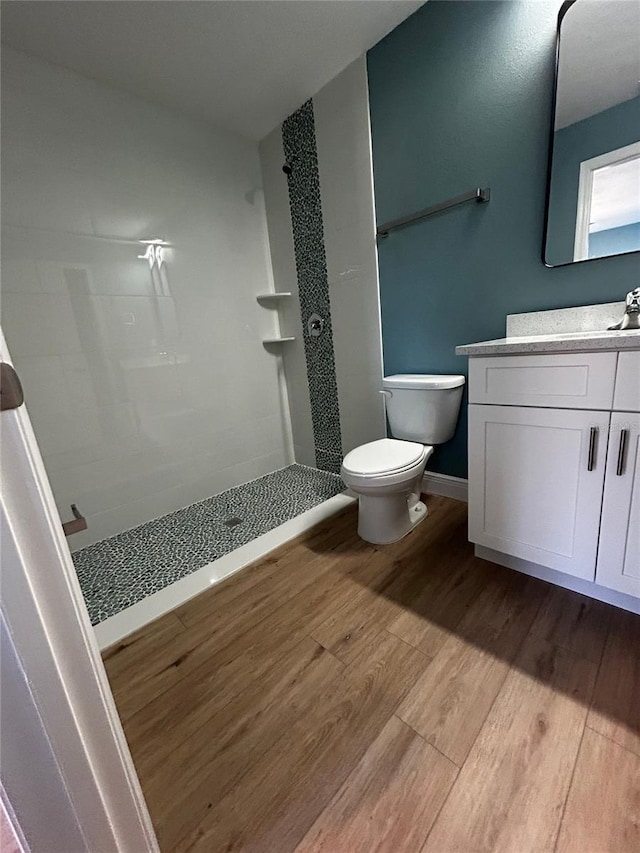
[627,393]
[535,484]
[619,550]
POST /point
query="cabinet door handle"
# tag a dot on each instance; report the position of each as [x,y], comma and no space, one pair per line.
[593,441]
[622,451]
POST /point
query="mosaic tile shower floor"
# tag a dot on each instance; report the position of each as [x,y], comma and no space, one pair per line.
[117,572]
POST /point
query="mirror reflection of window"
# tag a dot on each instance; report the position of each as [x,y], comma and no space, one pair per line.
[608,209]
[594,182]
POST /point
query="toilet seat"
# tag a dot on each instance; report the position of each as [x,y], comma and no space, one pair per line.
[385,456]
[383,463]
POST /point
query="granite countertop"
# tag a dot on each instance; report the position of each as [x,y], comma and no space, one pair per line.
[564,342]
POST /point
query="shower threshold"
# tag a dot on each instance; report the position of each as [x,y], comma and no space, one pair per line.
[134,577]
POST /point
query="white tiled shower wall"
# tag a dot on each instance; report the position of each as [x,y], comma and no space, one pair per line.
[148,390]
[343,140]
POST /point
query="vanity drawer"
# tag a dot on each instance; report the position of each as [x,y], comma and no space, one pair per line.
[627,395]
[559,381]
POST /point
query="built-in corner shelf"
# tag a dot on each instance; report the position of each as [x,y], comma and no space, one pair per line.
[275,299]
[272,297]
[277,340]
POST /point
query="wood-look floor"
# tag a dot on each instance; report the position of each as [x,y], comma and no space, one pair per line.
[342,697]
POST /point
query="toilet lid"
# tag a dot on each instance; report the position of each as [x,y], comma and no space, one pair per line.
[382,456]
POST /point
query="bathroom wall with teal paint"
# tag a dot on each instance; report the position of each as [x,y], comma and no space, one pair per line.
[610,129]
[460,96]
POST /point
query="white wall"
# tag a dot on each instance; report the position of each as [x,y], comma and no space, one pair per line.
[343,139]
[147,391]
[276,194]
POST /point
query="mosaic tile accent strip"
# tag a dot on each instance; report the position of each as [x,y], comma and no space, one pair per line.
[326,460]
[117,572]
[299,142]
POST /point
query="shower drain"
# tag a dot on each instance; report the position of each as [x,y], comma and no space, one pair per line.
[233,521]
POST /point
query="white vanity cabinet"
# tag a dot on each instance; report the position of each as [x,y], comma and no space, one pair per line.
[554,464]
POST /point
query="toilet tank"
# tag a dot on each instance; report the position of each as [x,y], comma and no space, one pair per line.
[423,407]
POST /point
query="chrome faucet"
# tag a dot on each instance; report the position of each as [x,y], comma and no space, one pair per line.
[631,318]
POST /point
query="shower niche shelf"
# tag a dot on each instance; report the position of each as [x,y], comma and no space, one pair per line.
[275,299]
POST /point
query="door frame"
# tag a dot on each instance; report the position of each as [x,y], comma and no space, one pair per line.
[49,625]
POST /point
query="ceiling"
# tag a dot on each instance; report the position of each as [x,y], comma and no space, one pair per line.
[244,65]
[599,58]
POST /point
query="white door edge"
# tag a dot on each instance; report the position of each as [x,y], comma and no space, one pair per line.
[46,616]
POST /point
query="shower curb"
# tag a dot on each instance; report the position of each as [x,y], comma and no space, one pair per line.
[120,625]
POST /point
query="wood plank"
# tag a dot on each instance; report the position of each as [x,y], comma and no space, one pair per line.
[389,802]
[453,584]
[229,667]
[241,709]
[158,634]
[276,802]
[197,772]
[615,710]
[120,657]
[206,606]
[450,701]
[215,707]
[320,540]
[575,622]
[350,628]
[510,793]
[501,616]
[166,666]
[603,808]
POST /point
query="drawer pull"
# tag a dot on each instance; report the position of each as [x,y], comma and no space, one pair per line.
[593,442]
[622,451]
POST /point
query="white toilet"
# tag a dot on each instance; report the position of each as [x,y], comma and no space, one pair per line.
[387,474]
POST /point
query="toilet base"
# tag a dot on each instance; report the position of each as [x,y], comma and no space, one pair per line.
[389,518]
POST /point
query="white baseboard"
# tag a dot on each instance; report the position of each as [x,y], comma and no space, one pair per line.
[116,627]
[593,590]
[442,484]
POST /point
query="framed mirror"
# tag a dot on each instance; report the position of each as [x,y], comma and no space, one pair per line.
[593,185]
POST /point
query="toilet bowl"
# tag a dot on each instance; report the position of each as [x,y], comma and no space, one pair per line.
[386,474]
